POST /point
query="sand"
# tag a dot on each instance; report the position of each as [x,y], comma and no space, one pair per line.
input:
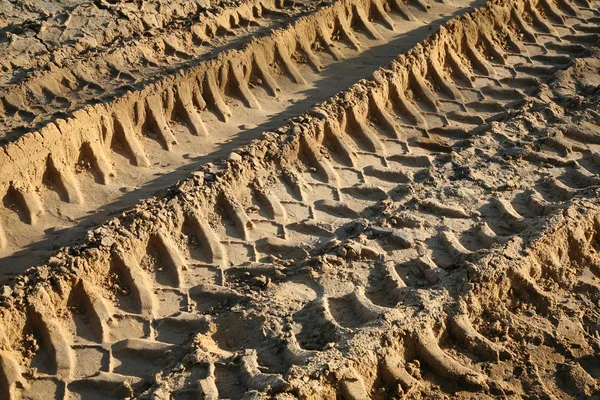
[428,229]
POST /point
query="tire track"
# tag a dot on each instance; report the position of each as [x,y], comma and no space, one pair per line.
[75,78]
[31,32]
[163,128]
[525,302]
[502,319]
[324,236]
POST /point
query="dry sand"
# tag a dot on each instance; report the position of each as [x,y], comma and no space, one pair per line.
[430,231]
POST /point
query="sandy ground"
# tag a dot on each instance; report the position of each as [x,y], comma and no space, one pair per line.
[430,231]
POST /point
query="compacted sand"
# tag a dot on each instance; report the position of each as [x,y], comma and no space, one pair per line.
[354,199]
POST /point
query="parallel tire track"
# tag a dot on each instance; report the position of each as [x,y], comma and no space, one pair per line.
[131,55]
[116,147]
[329,233]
